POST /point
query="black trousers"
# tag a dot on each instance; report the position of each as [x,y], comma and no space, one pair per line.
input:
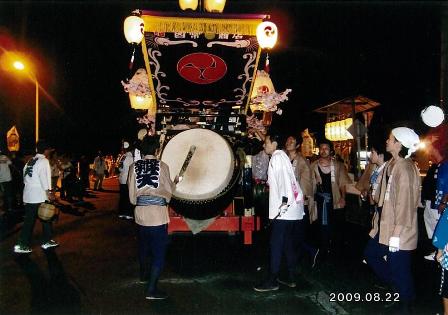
[28,226]
[302,237]
[152,243]
[66,191]
[283,242]
[124,205]
[395,270]
[6,189]
[331,235]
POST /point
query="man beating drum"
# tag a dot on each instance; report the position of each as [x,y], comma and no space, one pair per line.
[150,190]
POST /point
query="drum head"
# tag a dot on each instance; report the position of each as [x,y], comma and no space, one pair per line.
[211,166]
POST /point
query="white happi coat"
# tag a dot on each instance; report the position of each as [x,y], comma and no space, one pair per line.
[37,179]
[125,162]
[282,182]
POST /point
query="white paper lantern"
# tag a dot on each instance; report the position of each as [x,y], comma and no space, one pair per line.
[432,116]
[267,34]
[188,4]
[133,29]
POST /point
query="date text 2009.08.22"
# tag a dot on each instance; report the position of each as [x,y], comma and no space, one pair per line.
[364,297]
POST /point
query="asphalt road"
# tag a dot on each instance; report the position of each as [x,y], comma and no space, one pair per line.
[95,271]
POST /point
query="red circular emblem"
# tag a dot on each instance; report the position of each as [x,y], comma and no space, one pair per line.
[201,68]
[263,89]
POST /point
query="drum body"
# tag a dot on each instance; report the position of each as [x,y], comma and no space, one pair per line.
[209,179]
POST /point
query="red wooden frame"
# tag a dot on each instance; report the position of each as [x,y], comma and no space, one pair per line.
[226,223]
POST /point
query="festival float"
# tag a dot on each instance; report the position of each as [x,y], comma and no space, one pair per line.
[345,130]
[204,96]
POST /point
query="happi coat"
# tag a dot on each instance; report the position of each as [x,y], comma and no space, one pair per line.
[282,183]
[150,177]
[339,179]
[399,198]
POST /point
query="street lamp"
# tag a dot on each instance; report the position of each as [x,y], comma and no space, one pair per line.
[20,66]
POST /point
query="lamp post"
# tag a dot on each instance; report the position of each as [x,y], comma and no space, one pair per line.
[20,66]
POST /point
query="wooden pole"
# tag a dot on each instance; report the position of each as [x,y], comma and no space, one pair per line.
[357,139]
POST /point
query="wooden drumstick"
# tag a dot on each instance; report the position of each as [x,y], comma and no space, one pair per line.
[187,161]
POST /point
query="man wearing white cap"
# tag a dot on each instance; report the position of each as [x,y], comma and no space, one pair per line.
[395,230]
[124,206]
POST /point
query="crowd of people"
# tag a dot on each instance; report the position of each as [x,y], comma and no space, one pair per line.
[70,176]
[302,194]
[307,194]
[27,182]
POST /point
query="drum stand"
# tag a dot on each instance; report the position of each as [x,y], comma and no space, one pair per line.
[228,222]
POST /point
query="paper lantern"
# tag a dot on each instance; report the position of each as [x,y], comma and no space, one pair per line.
[307,146]
[337,130]
[327,131]
[262,85]
[330,131]
[141,102]
[133,29]
[13,139]
[267,34]
[188,4]
[215,6]
[432,116]
[347,124]
[333,131]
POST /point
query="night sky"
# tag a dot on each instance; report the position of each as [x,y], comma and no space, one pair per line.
[387,51]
